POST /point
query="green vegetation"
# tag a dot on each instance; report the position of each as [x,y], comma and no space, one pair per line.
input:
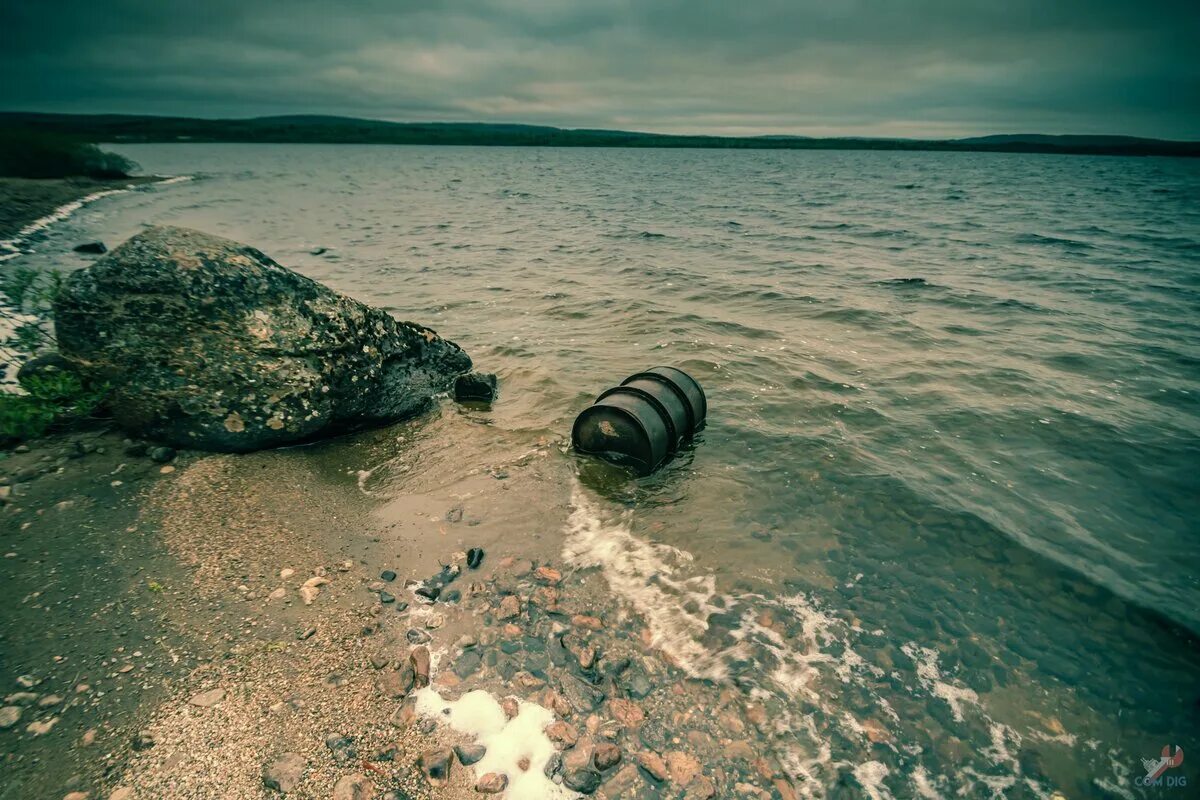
[52,395]
[27,153]
[348,130]
[51,398]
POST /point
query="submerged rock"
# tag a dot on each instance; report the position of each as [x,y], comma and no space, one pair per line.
[95,248]
[475,386]
[207,343]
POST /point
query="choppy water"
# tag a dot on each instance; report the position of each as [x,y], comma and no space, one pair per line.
[951,477]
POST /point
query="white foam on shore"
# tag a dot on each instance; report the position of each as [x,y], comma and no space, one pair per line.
[793,662]
[11,248]
[649,576]
[480,716]
[930,677]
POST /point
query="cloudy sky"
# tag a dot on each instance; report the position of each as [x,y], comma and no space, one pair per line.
[856,67]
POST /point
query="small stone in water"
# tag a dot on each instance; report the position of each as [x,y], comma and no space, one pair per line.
[9,716]
[606,756]
[474,557]
[653,765]
[388,575]
[584,781]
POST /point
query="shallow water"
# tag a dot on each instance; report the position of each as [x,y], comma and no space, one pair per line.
[948,486]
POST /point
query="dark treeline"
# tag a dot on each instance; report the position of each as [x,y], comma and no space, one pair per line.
[344,130]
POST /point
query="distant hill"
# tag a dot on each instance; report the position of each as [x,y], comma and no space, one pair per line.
[315,129]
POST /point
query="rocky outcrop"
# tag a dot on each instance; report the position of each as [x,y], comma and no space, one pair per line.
[208,343]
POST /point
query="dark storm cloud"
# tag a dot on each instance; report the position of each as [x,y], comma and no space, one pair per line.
[869,67]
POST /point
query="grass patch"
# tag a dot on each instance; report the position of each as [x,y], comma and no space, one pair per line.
[52,398]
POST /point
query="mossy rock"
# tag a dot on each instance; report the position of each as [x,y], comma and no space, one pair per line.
[207,343]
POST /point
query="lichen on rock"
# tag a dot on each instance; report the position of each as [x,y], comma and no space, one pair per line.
[208,343]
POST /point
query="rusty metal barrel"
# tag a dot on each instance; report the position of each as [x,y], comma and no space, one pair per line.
[642,422]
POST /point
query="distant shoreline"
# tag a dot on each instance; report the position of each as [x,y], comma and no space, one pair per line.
[140,129]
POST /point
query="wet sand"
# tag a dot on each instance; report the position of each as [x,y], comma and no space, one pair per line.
[171,651]
[25,200]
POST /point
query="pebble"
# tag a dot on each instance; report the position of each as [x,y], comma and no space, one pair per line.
[76,796]
[626,712]
[492,783]
[121,793]
[435,621]
[584,781]
[683,767]
[468,754]
[286,573]
[27,681]
[354,787]
[418,636]
[41,727]
[208,699]
[388,575]
[9,716]
[283,774]
[467,664]
[474,557]
[419,658]
[162,454]
[341,747]
[436,764]
[653,764]
[548,575]
[306,633]
[510,607]
[562,734]
[606,756]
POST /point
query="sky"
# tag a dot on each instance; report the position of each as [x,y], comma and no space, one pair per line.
[919,68]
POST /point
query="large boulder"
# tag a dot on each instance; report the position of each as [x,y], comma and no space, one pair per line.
[210,344]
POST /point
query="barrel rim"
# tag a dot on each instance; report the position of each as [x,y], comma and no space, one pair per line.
[688,408]
[650,467]
[694,382]
[699,409]
[675,436]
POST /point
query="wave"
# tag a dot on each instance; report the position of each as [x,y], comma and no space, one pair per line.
[831,703]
